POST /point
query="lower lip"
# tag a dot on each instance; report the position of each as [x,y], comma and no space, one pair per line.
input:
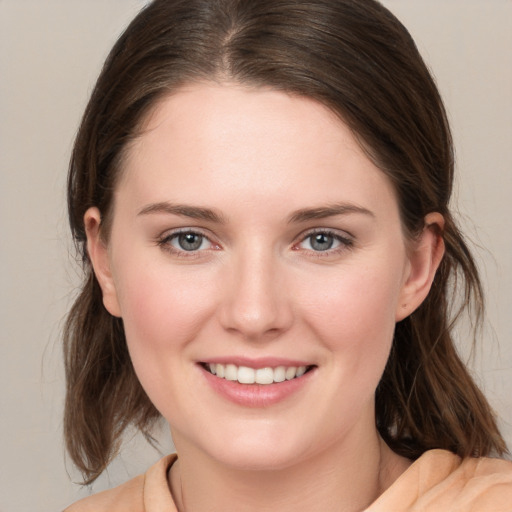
[256,395]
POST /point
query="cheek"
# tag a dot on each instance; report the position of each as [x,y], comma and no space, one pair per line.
[355,319]
[161,309]
[162,314]
[355,301]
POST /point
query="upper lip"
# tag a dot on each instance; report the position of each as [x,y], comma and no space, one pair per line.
[256,363]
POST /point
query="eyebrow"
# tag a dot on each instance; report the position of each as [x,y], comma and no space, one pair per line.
[323,212]
[302,215]
[183,210]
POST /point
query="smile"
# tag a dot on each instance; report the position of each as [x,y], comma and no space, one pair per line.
[265,376]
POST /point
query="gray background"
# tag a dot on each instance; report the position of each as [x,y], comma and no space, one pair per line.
[50,54]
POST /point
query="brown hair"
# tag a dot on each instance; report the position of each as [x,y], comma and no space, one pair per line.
[356,58]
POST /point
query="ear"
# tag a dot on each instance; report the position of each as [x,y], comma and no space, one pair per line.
[100,259]
[425,255]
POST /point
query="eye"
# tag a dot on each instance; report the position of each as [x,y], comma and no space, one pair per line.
[321,241]
[324,241]
[189,241]
[185,242]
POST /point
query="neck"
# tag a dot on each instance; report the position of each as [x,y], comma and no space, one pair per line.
[346,478]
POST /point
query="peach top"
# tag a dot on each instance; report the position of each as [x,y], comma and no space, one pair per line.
[438,481]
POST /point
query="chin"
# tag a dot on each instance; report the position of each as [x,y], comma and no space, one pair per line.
[253,449]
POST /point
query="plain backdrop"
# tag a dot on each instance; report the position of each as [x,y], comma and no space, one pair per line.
[50,54]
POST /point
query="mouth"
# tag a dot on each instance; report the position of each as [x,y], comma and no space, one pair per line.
[263,376]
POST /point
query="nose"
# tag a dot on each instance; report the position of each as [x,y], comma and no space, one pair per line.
[256,304]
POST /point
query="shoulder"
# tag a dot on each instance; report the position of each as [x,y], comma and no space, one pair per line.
[480,484]
[130,497]
[440,480]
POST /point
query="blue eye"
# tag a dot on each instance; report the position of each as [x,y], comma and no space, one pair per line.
[188,241]
[324,241]
[321,241]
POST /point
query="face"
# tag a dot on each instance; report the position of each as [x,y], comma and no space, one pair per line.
[258,262]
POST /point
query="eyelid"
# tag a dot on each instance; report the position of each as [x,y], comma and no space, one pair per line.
[163,240]
[346,240]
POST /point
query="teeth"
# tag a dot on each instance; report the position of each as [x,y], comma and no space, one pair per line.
[301,370]
[264,376]
[280,374]
[246,375]
[290,373]
[230,373]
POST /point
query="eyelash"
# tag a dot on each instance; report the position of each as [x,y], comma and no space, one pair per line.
[165,243]
[345,242]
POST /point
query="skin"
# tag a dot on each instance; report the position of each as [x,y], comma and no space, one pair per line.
[261,161]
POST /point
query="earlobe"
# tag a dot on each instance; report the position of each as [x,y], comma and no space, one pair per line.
[98,254]
[424,259]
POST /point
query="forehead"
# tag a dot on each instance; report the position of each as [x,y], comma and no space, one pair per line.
[257,143]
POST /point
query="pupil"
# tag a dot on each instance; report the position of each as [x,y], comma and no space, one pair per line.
[322,242]
[190,241]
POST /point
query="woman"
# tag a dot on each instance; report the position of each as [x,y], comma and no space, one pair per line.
[260,191]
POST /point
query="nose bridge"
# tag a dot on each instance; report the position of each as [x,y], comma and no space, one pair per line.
[256,304]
